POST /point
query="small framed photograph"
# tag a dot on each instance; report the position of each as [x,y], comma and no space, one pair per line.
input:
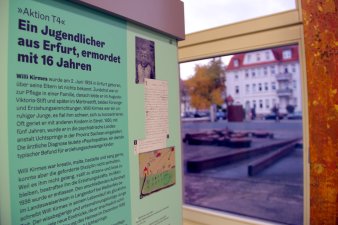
[145,60]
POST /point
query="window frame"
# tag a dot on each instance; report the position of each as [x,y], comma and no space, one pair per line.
[280,29]
[287,54]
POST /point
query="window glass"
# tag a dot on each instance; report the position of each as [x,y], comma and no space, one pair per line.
[272,69]
[293,68]
[265,71]
[273,85]
[254,87]
[286,70]
[261,104]
[222,124]
[258,57]
[266,86]
[287,54]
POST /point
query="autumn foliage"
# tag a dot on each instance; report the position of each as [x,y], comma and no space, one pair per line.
[207,85]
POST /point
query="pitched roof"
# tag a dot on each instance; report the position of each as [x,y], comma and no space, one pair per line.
[278,57]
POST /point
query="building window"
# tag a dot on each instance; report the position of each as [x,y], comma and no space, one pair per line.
[258,57]
[293,68]
[267,103]
[253,73]
[236,76]
[247,104]
[267,55]
[286,69]
[260,87]
[253,87]
[254,103]
[246,74]
[266,86]
[273,85]
[237,89]
[265,71]
[261,104]
[287,54]
[236,63]
[248,57]
[247,88]
[294,84]
[272,69]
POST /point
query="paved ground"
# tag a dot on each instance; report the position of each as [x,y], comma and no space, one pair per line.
[275,194]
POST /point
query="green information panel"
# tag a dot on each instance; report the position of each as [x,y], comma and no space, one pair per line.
[79,144]
[67,115]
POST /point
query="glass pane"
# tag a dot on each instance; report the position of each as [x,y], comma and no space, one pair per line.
[198,16]
[242,134]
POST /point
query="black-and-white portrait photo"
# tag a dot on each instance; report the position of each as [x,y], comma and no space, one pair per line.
[145,60]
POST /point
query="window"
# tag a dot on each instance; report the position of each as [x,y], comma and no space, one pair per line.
[267,56]
[273,85]
[253,74]
[223,173]
[254,103]
[266,86]
[286,69]
[236,76]
[246,74]
[267,104]
[294,84]
[287,54]
[272,69]
[247,105]
[253,87]
[265,71]
[260,87]
[247,88]
[237,89]
[261,104]
[258,57]
[293,68]
[236,63]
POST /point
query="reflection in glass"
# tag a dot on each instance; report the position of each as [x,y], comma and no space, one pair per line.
[243,154]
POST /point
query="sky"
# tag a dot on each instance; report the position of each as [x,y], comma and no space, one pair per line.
[202,15]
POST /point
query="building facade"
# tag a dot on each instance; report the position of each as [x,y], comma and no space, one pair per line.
[265,79]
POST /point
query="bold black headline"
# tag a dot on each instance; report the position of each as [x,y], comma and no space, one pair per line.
[57,45]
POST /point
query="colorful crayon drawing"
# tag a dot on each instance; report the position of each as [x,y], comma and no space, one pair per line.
[157,170]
